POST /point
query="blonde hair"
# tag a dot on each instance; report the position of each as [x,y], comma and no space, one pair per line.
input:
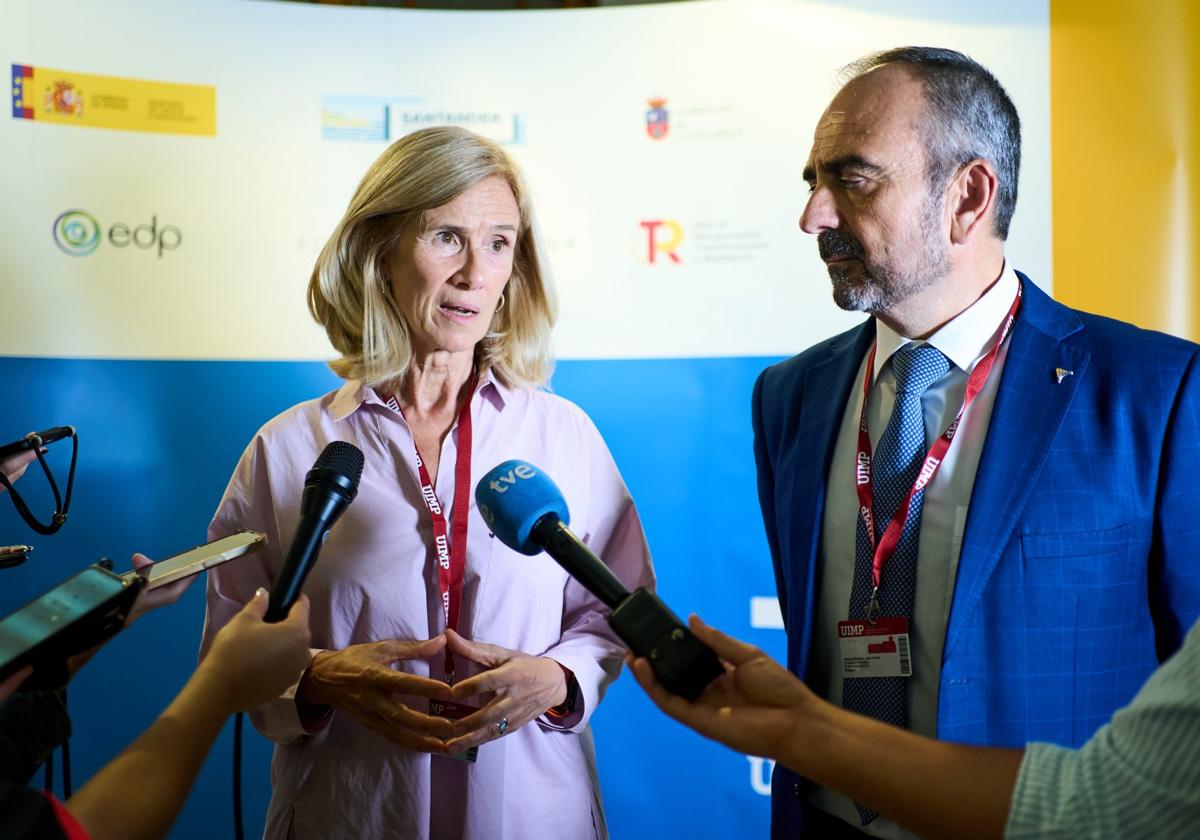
[350,290]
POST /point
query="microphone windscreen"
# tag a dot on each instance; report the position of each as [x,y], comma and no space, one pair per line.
[342,458]
[512,497]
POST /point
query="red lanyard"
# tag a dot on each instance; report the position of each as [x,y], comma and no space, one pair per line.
[886,546]
[450,543]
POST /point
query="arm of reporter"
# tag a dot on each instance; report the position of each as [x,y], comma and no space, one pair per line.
[147,600]
[248,504]
[151,599]
[249,662]
[935,788]
[15,466]
[279,718]
[32,725]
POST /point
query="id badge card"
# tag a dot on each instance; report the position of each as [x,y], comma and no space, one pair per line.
[455,711]
[875,650]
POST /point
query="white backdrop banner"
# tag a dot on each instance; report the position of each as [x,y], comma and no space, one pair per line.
[664,146]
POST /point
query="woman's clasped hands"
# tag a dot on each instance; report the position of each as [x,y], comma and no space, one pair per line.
[363,682]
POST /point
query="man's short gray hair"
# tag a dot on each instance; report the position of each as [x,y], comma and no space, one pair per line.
[970,116]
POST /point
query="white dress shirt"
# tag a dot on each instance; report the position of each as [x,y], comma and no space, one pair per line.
[964,340]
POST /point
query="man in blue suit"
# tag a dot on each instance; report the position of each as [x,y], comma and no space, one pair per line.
[979,501]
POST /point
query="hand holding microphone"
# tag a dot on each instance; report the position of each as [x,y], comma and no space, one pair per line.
[526,512]
[252,661]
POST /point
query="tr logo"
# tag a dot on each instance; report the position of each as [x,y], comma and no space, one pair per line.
[662,236]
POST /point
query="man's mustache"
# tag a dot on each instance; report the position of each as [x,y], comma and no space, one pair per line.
[838,243]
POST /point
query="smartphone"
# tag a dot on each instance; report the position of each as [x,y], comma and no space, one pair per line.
[78,614]
[200,558]
[35,440]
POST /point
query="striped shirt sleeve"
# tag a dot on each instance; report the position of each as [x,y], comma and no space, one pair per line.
[1139,776]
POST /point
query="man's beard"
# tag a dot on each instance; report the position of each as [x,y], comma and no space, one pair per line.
[869,286]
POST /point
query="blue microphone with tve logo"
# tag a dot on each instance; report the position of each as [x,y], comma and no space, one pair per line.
[526,511]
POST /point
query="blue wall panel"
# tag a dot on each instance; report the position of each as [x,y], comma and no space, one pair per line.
[158,441]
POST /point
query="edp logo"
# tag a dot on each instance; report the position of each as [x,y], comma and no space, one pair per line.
[76,232]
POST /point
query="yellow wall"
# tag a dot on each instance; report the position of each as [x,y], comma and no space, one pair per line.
[1125,155]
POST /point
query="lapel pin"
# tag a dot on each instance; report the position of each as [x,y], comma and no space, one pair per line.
[1062,373]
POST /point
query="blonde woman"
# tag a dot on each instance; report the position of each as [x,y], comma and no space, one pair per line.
[452,679]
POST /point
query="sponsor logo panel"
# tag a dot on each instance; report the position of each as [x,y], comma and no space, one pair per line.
[87,100]
[78,233]
[673,242]
[693,120]
[663,238]
[504,127]
[383,119]
[658,121]
[355,119]
[22,85]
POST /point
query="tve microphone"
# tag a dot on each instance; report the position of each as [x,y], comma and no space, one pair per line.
[526,511]
[329,488]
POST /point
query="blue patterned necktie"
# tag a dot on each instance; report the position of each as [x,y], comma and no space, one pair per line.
[898,457]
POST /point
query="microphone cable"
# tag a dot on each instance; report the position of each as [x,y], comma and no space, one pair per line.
[61,506]
[66,755]
[48,779]
[237,776]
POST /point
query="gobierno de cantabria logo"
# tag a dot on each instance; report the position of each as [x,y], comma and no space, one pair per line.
[76,233]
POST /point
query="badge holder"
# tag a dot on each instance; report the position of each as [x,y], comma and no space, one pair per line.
[455,711]
[877,646]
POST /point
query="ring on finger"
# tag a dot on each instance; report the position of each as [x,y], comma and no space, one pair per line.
[502,726]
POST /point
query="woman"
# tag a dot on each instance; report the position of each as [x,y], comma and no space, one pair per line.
[432,638]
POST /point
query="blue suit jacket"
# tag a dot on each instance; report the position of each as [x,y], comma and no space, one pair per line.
[1080,564]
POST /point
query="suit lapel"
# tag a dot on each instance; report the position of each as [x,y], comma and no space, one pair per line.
[1029,409]
[827,386]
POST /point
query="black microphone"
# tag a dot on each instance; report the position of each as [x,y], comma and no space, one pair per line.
[329,488]
[526,512]
[35,440]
